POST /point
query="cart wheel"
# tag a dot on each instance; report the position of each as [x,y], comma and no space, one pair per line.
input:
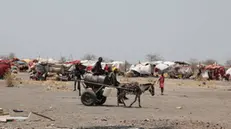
[88,98]
[101,100]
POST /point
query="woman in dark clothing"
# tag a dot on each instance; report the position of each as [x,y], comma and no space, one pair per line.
[78,72]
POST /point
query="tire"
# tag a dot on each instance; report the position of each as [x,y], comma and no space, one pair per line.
[101,100]
[88,98]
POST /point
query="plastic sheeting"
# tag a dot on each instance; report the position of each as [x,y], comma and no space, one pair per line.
[162,67]
[142,69]
[228,71]
[205,74]
[169,63]
[49,60]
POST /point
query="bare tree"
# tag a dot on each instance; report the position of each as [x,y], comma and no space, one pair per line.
[62,59]
[105,59]
[11,55]
[153,57]
[228,63]
[193,62]
[209,62]
[89,57]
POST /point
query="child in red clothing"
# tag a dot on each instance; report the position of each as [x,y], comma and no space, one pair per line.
[161,82]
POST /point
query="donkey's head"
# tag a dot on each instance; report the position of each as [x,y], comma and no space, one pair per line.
[150,87]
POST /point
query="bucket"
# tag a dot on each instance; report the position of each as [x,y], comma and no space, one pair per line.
[107,91]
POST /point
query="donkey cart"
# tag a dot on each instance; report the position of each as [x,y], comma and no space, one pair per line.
[96,90]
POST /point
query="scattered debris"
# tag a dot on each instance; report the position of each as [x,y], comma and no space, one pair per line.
[43,116]
[178,107]
[146,120]
[7,118]
[103,119]
[16,110]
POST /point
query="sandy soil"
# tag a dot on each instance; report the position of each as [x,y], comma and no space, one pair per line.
[187,104]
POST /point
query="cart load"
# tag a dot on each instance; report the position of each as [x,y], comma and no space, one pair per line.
[96,89]
[95,81]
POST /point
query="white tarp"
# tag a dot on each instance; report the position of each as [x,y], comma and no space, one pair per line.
[49,60]
[142,69]
[88,63]
[156,62]
[91,63]
[169,63]
[228,71]
[162,67]
[205,74]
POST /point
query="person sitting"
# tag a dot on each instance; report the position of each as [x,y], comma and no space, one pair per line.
[97,68]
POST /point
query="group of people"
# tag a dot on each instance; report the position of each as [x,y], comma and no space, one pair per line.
[111,72]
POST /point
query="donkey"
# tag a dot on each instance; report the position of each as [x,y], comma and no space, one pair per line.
[136,89]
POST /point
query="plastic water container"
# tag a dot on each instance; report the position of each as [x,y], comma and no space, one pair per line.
[107,91]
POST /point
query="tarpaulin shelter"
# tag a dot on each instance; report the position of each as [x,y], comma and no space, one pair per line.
[215,71]
[73,62]
[142,69]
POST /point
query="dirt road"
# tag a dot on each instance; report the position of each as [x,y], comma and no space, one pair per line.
[185,105]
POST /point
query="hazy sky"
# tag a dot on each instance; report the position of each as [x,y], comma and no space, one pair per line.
[119,29]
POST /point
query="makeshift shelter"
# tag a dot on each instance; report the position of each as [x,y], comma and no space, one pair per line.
[215,71]
[142,69]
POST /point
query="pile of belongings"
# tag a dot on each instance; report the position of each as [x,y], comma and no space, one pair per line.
[38,71]
[21,65]
[180,70]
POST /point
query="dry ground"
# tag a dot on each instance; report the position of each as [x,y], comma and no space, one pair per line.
[186,104]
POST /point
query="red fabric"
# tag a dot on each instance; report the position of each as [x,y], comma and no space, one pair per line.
[161,81]
[89,68]
[4,61]
[222,71]
[156,70]
[4,68]
[106,68]
[73,62]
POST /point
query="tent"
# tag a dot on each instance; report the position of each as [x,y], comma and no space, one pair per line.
[144,69]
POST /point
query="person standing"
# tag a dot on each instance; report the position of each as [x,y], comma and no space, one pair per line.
[106,69]
[78,72]
[114,81]
[161,83]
